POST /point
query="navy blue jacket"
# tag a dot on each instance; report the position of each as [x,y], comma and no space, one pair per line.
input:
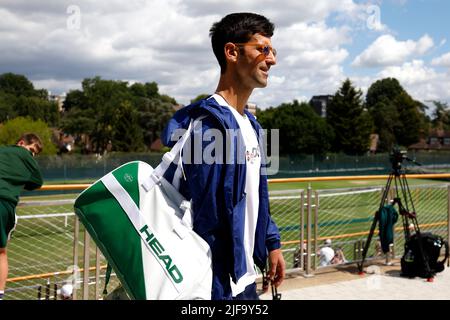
[218,196]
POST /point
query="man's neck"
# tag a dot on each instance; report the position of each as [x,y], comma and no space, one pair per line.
[236,96]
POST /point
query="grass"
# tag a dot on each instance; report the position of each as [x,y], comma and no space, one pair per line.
[290,185]
[319,185]
[50,197]
[74,181]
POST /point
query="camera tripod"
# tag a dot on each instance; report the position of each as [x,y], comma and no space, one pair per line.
[405,204]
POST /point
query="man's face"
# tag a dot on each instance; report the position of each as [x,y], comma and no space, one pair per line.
[254,61]
[33,148]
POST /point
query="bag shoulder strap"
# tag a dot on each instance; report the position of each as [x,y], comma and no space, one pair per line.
[173,156]
[107,278]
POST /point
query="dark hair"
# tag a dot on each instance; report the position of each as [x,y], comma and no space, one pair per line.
[30,138]
[238,28]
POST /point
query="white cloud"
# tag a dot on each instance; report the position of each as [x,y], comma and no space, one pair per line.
[420,80]
[309,62]
[168,42]
[63,85]
[442,61]
[387,51]
[410,73]
[282,13]
[314,59]
[303,36]
[311,46]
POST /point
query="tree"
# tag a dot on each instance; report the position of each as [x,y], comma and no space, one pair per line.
[383,90]
[17,85]
[13,129]
[200,97]
[111,111]
[7,102]
[301,129]
[351,123]
[151,89]
[153,117]
[398,118]
[101,99]
[386,120]
[168,99]
[146,90]
[410,128]
[80,123]
[19,98]
[127,134]
[441,116]
[75,99]
[37,108]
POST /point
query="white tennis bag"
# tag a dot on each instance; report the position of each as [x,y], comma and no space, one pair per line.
[143,226]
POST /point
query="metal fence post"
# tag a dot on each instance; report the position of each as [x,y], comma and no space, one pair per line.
[76,234]
[302,230]
[316,228]
[308,230]
[448,221]
[97,272]
[87,240]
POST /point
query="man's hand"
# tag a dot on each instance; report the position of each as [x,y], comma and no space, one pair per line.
[277,267]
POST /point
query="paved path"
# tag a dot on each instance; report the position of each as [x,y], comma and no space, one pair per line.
[384,283]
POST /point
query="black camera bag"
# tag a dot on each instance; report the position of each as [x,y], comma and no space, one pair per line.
[412,262]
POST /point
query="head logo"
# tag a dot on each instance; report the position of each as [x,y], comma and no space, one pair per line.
[128,177]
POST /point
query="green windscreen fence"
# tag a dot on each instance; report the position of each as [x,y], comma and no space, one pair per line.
[76,168]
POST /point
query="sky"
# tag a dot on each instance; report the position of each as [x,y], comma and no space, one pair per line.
[320,43]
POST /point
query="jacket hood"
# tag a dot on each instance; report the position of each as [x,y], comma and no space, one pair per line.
[183,117]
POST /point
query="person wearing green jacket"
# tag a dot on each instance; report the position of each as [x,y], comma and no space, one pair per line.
[18,171]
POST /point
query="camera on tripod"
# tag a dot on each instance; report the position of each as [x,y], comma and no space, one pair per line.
[419,259]
[397,156]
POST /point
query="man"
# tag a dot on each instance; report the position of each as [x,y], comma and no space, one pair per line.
[230,195]
[326,254]
[18,171]
[66,292]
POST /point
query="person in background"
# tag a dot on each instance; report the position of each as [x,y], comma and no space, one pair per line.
[66,292]
[339,257]
[326,253]
[18,171]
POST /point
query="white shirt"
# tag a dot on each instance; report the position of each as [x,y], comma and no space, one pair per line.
[253,167]
[326,255]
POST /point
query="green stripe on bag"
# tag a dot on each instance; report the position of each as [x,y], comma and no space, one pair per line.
[115,236]
[128,178]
